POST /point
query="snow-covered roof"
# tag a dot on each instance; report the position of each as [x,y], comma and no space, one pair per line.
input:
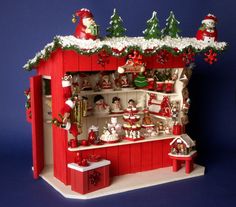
[120,46]
[185,139]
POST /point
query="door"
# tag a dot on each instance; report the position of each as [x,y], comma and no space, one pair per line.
[37,125]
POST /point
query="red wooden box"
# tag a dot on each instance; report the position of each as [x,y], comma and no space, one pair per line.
[91,178]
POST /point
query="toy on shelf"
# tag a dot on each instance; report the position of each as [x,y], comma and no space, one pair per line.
[131,127]
[153,104]
[175,110]
[86,85]
[207,32]
[116,107]
[86,28]
[81,161]
[93,135]
[131,106]
[165,109]
[114,124]
[147,120]
[105,82]
[100,105]
[110,135]
[124,82]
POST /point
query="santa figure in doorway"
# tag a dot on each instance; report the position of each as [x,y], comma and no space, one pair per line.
[86,28]
[207,32]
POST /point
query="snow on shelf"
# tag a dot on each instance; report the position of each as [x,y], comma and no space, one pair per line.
[120,46]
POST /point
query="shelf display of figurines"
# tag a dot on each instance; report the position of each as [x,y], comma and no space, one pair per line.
[116,107]
[105,82]
[163,128]
[101,107]
[125,82]
[165,80]
[111,132]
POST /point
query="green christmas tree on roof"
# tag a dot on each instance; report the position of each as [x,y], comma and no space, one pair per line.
[152,30]
[171,28]
[116,29]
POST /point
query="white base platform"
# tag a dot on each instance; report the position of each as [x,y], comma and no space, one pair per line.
[124,183]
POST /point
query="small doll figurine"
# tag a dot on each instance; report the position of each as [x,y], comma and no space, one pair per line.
[100,105]
[131,106]
[105,82]
[116,105]
[124,80]
[147,121]
[86,85]
[66,85]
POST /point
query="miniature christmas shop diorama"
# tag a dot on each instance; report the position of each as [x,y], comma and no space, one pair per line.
[105,112]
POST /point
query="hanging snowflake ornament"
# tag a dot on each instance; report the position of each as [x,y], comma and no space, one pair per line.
[103,58]
[162,57]
[210,56]
[188,56]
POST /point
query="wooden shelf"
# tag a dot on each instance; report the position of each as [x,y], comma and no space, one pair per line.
[160,117]
[123,142]
[108,115]
[90,93]
[161,93]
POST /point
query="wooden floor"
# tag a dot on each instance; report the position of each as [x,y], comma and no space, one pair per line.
[124,183]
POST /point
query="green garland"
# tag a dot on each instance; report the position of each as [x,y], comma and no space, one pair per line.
[57,44]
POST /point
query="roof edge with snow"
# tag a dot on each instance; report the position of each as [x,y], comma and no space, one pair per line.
[121,46]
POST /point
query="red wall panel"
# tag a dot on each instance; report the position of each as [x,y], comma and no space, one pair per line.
[112,155]
[135,158]
[70,61]
[146,151]
[124,159]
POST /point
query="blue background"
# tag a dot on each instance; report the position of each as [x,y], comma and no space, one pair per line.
[25,28]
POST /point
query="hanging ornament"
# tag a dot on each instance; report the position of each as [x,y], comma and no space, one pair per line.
[162,57]
[210,56]
[73,19]
[188,56]
[103,58]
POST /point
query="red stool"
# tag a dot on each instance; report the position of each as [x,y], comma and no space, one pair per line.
[178,159]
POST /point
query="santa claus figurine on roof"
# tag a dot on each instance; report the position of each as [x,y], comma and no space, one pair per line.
[86,28]
[207,32]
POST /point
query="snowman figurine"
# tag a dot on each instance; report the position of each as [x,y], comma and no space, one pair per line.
[207,32]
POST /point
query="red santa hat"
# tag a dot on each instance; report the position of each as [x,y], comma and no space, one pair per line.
[209,18]
[84,13]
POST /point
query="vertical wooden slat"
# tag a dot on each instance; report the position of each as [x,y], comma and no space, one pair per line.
[112,155]
[157,154]
[146,153]
[70,61]
[135,158]
[166,149]
[124,159]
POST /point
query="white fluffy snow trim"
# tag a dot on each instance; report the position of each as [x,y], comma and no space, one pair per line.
[68,126]
[122,43]
[70,103]
[66,83]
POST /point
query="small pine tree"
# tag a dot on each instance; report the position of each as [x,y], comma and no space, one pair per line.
[152,30]
[116,29]
[171,28]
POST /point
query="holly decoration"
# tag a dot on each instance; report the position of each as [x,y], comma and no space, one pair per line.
[162,57]
[210,56]
[171,28]
[103,58]
[140,81]
[28,101]
[94,177]
[116,29]
[188,56]
[152,31]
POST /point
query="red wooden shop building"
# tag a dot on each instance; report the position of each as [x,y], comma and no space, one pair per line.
[50,143]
